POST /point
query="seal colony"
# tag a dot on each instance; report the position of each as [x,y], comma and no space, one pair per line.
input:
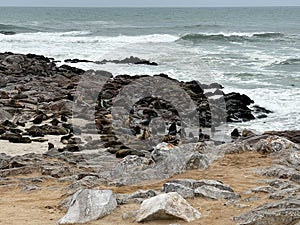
[38,98]
[112,140]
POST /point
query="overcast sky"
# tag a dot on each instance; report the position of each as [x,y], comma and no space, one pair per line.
[149,3]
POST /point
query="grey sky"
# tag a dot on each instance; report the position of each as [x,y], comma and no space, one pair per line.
[149,3]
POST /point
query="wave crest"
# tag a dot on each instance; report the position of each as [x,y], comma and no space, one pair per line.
[232,37]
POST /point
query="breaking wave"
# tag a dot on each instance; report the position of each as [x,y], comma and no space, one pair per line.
[231,37]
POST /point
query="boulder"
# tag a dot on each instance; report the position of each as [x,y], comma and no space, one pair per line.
[88,205]
[274,144]
[167,206]
[237,107]
[287,162]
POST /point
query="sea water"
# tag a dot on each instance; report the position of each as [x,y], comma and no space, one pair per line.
[254,51]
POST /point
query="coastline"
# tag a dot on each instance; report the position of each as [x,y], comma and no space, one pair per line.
[66,135]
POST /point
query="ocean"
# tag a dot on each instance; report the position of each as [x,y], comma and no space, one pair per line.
[254,51]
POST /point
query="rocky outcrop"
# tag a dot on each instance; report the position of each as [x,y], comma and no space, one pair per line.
[285,212]
[162,163]
[43,97]
[88,205]
[130,60]
[273,144]
[166,206]
[38,99]
[292,135]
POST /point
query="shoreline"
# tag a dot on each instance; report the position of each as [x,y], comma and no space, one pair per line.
[140,137]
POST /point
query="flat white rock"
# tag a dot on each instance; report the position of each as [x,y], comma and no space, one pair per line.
[167,206]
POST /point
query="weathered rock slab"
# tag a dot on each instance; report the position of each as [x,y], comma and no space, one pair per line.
[88,205]
[189,188]
[184,191]
[214,193]
[286,212]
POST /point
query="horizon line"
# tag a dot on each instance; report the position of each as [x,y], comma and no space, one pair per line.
[233,6]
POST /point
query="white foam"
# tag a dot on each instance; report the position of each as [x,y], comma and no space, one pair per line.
[230,34]
[74,44]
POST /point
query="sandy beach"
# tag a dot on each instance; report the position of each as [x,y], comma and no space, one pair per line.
[37,207]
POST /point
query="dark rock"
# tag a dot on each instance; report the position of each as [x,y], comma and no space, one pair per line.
[21,123]
[15,138]
[39,119]
[146,62]
[235,134]
[2,130]
[215,85]
[40,131]
[219,92]
[8,32]
[259,109]
[123,153]
[55,122]
[35,131]
[64,118]
[50,146]
[130,60]
[237,107]
[173,129]
[71,148]
[76,61]
[7,123]
[261,116]
[65,139]
[66,69]
[4,95]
